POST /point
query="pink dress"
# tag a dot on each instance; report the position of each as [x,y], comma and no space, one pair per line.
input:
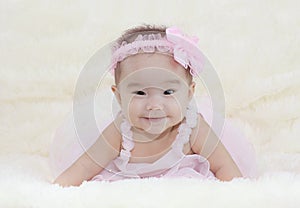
[173,164]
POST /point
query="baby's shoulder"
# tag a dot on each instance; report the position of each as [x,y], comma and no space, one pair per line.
[199,133]
[202,128]
[112,135]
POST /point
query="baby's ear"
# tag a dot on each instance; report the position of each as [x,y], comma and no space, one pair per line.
[115,90]
[192,90]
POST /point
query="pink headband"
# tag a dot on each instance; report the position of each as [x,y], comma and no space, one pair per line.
[184,49]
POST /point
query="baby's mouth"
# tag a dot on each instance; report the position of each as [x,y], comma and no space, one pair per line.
[154,119]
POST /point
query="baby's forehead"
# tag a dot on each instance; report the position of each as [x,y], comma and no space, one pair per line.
[152,77]
[151,66]
[147,60]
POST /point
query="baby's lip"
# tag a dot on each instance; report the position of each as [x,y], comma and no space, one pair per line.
[154,117]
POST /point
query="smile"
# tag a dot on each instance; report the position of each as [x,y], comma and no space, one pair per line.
[154,119]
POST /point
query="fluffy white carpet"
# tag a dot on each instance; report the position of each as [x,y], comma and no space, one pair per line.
[254,46]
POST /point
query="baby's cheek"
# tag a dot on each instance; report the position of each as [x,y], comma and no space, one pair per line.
[134,107]
[174,106]
[181,100]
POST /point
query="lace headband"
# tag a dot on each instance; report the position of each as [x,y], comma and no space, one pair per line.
[183,48]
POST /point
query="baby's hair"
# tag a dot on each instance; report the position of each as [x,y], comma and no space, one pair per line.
[131,34]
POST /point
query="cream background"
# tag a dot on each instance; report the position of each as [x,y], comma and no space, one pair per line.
[254,46]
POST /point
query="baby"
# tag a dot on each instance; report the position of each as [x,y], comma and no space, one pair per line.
[159,132]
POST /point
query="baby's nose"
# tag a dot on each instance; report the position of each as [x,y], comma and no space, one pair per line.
[154,103]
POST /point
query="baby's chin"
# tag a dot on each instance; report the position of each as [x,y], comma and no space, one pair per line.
[155,132]
[151,133]
[155,126]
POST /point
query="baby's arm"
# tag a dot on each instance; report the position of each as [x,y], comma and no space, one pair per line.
[105,149]
[221,163]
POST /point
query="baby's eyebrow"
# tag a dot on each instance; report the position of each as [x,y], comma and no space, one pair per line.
[135,84]
[175,81]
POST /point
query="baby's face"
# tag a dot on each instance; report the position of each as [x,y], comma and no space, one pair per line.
[153,92]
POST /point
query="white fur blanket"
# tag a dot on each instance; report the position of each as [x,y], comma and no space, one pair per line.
[254,46]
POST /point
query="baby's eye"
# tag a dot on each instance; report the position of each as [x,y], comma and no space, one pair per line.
[169,92]
[139,92]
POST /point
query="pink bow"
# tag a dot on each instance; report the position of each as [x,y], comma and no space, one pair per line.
[185,51]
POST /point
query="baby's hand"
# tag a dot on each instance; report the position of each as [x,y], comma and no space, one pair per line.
[221,163]
[105,149]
